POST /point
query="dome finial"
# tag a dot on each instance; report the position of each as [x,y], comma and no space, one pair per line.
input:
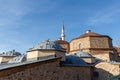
[88,31]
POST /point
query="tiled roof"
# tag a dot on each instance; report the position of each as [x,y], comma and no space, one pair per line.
[62,42]
[91,34]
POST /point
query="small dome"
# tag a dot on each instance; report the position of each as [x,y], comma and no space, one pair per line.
[10,53]
[74,61]
[83,54]
[47,44]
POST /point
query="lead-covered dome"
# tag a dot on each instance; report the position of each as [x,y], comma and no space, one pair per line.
[83,54]
[74,60]
[10,53]
[48,45]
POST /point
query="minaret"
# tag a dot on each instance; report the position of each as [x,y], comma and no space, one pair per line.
[63,33]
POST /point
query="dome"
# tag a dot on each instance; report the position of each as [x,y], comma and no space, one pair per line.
[10,53]
[83,54]
[88,33]
[74,61]
[48,45]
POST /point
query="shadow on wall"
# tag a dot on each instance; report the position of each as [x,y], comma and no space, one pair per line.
[100,74]
[114,56]
[114,78]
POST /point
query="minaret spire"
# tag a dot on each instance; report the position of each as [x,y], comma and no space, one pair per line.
[63,33]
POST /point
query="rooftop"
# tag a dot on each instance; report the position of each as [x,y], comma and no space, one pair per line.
[89,33]
[18,59]
[10,53]
[47,45]
[59,41]
[16,64]
[73,60]
[83,54]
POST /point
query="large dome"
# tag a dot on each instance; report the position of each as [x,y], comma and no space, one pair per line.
[83,54]
[49,45]
[88,33]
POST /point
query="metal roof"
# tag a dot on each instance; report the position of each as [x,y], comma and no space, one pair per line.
[114,78]
[48,45]
[17,59]
[10,65]
[10,53]
[114,62]
[83,54]
[74,60]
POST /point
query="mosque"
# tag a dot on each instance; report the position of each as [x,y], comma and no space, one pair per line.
[90,56]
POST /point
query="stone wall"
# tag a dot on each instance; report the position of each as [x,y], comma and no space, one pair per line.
[106,70]
[99,42]
[46,70]
[107,55]
[4,59]
[89,43]
[36,54]
[101,54]
[66,46]
[31,55]
[77,43]
[60,54]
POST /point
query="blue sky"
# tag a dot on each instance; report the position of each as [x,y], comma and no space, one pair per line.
[24,23]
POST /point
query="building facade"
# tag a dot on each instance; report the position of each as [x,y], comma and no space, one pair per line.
[91,56]
[100,46]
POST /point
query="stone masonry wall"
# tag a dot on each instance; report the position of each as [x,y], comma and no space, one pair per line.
[101,54]
[77,43]
[46,70]
[99,42]
[106,70]
[66,46]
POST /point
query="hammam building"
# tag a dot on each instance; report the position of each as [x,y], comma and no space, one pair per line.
[90,56]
